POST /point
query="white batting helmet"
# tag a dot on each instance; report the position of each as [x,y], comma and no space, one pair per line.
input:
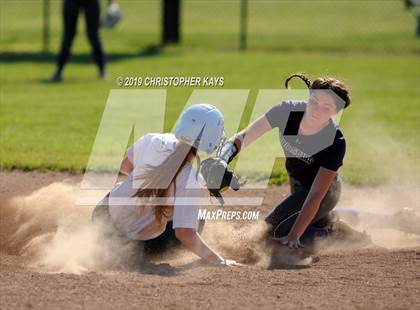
[202,126]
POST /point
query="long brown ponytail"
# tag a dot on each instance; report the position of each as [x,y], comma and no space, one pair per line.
[333,84]
[157,180]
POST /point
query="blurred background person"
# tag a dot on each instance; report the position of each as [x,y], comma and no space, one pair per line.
[91,8]
[414,5]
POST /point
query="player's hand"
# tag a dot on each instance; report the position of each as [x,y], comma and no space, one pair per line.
[230,263]
[290,241]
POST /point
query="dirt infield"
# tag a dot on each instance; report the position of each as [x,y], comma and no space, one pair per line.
[370,277]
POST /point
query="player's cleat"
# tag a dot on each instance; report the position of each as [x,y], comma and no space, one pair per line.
[336,233]
[104,75]
[343,233]
[56,77]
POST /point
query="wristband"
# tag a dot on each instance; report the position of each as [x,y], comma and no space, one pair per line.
[231,148]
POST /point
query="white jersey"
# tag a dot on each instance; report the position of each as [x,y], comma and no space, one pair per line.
[139,222]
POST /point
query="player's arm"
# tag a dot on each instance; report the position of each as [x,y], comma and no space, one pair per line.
[127,164]
[255,130]
[244,138]
[310,207]
[192,241]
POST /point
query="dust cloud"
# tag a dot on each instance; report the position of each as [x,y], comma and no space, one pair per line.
[55,234]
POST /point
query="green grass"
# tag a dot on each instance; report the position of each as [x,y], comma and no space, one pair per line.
[329,25]
[45,126]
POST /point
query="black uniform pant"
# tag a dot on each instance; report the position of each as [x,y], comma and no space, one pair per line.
[71,10]
[285,214]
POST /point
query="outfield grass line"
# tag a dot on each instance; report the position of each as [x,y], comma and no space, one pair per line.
[53,126]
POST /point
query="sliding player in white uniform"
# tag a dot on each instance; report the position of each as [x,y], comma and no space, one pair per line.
[162,185]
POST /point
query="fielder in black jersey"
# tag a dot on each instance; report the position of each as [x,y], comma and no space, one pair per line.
[314,147]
